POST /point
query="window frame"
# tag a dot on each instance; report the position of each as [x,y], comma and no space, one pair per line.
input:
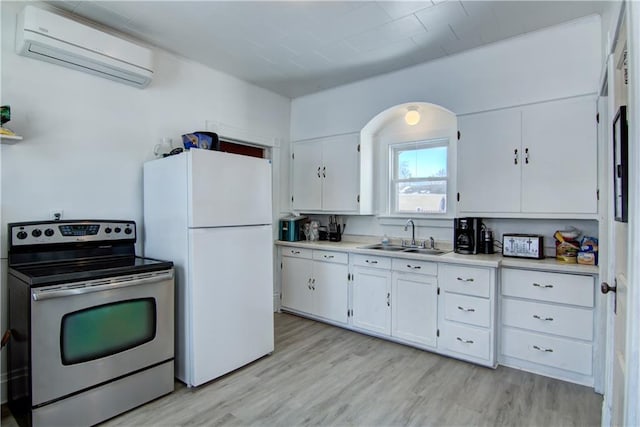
[394,148]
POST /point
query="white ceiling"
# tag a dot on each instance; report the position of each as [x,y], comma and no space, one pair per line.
[300,47]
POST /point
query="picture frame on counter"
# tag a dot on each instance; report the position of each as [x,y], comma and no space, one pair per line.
[620,165]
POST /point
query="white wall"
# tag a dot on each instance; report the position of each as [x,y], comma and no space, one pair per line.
[86,138]
[557,62]
[554,63]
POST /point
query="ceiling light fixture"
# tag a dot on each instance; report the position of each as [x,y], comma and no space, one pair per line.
[412,116]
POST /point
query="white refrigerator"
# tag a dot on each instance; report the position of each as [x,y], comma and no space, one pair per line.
[210,213]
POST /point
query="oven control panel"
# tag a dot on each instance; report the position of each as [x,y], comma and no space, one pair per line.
[53,232]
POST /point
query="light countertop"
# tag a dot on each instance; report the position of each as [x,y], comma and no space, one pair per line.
[482,260]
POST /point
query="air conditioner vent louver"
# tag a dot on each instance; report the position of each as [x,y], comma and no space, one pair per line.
[49,37]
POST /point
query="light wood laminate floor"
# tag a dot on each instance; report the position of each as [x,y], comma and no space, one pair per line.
[323,375]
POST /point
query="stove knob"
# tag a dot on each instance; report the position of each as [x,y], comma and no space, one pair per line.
[107,230]
[117,230]
[36,233]
[21,235]
[127,231]
[48,232]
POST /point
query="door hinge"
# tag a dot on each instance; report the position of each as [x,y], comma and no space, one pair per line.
[598,194]
[597,117]
[358,148]
[459,135]
[438,332]
[457,197]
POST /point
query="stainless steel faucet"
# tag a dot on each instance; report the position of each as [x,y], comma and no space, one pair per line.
[432,243]
[413,231]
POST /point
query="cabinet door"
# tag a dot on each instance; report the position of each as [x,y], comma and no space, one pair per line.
[341,173]
[372,299]
[489,162]
[330,291]
[560,170]
[296,284]
[415,308]
[307,176]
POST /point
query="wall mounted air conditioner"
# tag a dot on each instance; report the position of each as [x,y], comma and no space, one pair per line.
[53,38]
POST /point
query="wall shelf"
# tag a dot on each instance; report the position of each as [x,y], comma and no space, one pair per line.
[10,139]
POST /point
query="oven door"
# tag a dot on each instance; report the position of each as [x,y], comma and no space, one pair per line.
[85,334]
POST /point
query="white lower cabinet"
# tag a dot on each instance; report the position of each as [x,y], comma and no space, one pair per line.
[467,307]
[547,323]
[371,294]
[315,282]
[414,301]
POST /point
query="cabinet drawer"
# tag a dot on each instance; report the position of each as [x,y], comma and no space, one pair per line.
[466,309]
[413,266]
[465,280]
[466,340]
[372,261]
[571,322]
[546,350]
[545,286]
[330,256]
[297,252]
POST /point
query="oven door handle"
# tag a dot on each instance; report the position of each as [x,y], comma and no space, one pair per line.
[99,285]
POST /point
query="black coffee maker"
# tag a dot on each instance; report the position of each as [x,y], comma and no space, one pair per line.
[467,235]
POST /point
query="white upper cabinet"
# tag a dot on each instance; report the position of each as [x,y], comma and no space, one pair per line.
[488,169]
[329,175]
[539,159]
[560,163]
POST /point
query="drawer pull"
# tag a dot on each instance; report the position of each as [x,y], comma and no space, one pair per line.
[546,350]
[538,285]
[470,310]
[415,267]
[370,262]
[464,280]
[549,319]
[464,341]
[295,252]
[388,299]
[328,256]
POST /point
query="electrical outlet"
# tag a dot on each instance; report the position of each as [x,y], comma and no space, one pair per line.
[56,214]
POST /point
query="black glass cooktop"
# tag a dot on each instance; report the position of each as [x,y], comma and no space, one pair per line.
[82,270]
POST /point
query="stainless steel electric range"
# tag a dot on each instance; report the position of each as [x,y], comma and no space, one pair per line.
[92,324]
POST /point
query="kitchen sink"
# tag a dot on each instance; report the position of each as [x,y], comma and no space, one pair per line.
[396,248]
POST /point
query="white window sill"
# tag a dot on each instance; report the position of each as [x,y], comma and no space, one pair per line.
[433,220]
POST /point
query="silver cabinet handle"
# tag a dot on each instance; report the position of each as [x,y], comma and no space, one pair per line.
[526,155]
[538,285]
[549,319]
[309,283]
[324,171]
[370,262]
[313,284]
[464,341]
[388,299]
[545,350]
[319,171]
[515,156]
[415,267]
[464,280]
[470,310]
[295,252]
[328,256]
